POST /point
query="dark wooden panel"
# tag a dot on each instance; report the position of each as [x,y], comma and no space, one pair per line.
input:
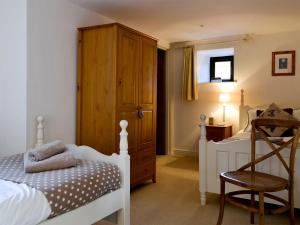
[161,103]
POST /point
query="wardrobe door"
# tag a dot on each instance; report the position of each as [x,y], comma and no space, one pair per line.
[147,104]
[96,89]
[147,94]
[127,84]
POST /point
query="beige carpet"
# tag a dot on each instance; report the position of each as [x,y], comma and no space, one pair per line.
[174,199]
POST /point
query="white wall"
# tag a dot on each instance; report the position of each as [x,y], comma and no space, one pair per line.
[253,74]
[52,48]
[12,77]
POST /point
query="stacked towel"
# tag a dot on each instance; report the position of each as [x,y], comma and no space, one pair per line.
[47,150]
[56,162]
[51,156]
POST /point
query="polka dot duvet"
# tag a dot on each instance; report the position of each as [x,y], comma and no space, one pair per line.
[65,189]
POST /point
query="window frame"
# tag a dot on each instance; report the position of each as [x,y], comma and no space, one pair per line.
[213,60]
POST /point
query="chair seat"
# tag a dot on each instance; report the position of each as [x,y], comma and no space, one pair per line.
[255,181]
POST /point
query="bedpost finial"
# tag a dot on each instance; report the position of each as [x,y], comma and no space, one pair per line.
[242,97]
[202,118]
[40,119]
[123,124]
[123,138]
[202,126]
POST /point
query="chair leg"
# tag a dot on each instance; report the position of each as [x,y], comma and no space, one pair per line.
[261,209]
[292,212]
[252,204]
[222,202]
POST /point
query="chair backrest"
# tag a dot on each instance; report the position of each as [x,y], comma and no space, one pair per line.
[275,146]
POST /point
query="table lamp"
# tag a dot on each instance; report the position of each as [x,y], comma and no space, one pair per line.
[224,98]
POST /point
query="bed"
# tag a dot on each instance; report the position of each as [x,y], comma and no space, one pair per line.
[33,207]
[230,154]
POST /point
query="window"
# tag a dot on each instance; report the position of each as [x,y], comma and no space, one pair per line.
[203,57]
[222,68]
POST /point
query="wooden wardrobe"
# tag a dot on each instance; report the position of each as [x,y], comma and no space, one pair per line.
[117,80]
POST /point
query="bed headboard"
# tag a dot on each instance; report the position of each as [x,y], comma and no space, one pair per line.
[243,115]
[243,120]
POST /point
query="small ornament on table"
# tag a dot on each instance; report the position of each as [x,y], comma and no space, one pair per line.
[210,121]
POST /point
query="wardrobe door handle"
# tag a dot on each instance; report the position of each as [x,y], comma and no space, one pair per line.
[141,113]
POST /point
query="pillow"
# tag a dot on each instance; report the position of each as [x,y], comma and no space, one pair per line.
[288,110]
[296,114]
[274,112]
[288,132]
[252,114]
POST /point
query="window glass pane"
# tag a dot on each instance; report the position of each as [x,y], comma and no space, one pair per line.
[223,70]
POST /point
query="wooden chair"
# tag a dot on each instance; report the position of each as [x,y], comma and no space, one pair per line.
[261,184]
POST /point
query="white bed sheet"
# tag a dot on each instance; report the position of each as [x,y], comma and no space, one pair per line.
[241,135]
[22,205]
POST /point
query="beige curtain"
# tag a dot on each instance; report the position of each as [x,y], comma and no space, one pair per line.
[190,84]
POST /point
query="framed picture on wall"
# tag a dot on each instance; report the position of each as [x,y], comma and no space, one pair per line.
[283,63]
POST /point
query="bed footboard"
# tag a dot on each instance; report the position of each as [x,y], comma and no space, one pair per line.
[231,154]
[116,201]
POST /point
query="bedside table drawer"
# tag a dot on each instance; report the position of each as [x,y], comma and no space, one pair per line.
[218,133]
[215,135]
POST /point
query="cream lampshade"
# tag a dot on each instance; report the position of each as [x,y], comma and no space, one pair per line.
[224,98]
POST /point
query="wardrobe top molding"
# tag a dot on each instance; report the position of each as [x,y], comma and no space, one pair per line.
[117,25]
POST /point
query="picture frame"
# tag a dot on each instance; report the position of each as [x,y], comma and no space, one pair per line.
[283,63]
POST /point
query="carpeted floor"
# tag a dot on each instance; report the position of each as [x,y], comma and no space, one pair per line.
[174,199]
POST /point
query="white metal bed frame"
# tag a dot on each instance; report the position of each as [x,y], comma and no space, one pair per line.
[231,155]
[116,201]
